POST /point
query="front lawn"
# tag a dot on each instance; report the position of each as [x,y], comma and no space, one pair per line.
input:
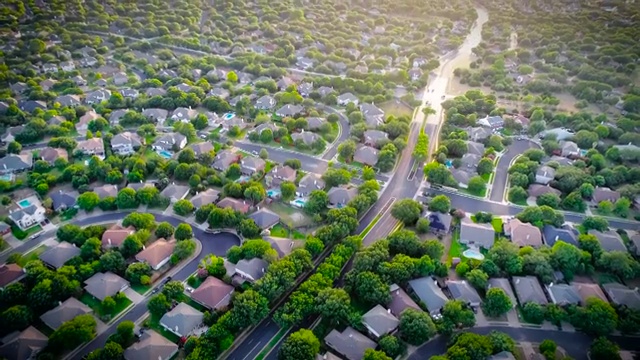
[481,194]
[154,323]
[333,134]
[33,255]
[23,234]
[140,289]
[96,305]
[497,225]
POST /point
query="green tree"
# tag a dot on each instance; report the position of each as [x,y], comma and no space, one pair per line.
[496,303]
[406,210]
[183,232]
[255,193]
[15,318]
[604,349]
[440,203]
[533,313]
[477,185]
[549,199]
[125,331]
[517,194]
[548,349]
[369,288]
[183,207]
[371,354]
[158,305]
[14,147]
[478,279]
[173,290]
[302,345]
[347,149]
[334,304]
[317,202]
[595,223]
[112,261]
[336,177]
[621,207]
[73,333]
[416,327]
[130,246]
[249,308]
[136,271]
[619,263]
[469,346]
[88,201]
[183,250]
[422,226]
[164,230]
[126,199]
[287,190]
[392,346]
[456,314]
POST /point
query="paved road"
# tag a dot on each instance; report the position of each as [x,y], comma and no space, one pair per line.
[501,175]
[211,244]
[345,131]
[256,342]
[576,344]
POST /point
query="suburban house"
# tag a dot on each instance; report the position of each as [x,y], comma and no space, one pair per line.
[175,192]
[129,93]
[97,96]
[102,285]
[202,148]
[4,228]
[283,246]
[106,190]
[350,343]
[31,105]
[252,269]
[346,98]
[475,148]
[306,137]
[373,115]
[324,91]
[289,110]
[126,143]
[10,273]
[183,87]
[440,222]
[479,133]
[158,115]
[58,255]
[83,122]
[13,163]
[24,345]
[184,114]
[170,142]
[265,218]
[92,147]
[285,82]
[182,319]
[492,122]
[213,294]
[250,165]
[315,123]
[473,234]
[503,283]
[340,196]
[235,204]
[120,78]
[563,294]
[219,92]
[603,193]
[50,154]
[587,290]
[266,102]
[224,159]
[27,212]
[265,126]
[553,234]
[305,89]
[151,346]
[545,174]
[68,100]
[528,289]
[462,290]
[428,291]
[157,254]
[461,177]
[11,133]
[67,65]
[309,183]
[63,200]
[622,295]
[400,301]
[280,174]
[536,190]
[202,198]
[64,312]
[569,149]
[470,162]
[375,137]
[380,322]
[609,240]
[635,243]
[366,155]
[115,235]
[523,234]
[116,115]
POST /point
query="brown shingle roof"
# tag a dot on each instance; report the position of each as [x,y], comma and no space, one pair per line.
[114,237]
[523,234]
[9,273]
[157,252]
[235,204]
[213,293]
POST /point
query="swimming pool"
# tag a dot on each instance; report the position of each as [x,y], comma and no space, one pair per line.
[165,154]
[473,254]
[299,202]
[449,163]
[6,177]
[228,116]
[24,203]
[273,193]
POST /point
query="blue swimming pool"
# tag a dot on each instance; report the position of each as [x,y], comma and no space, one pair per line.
[24,203]
[6,177]
[228,116]
[273,193]
[449,163]
[299,202]
[473,254]
[165,154]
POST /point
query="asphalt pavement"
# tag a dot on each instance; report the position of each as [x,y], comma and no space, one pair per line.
[502,169]
[575,343]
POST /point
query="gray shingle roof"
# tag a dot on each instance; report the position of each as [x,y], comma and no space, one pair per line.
[182,319]
[478,234]
[462,290]
[64,312]
[106,284]
[563,294]
[350,343]
[60,254]
[205,197]
[265,218]
[609,240]
[504,284]
[255,267]
[24,345]
[152,346]
[528,289]
[622,295]
[552,234]
[61,199]
[400,301]
[341,195]
[379,321]
[175,192]
[429,293]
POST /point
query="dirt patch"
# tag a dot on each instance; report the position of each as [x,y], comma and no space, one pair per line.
[396,108]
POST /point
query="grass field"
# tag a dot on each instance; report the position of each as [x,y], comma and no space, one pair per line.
[140,289]
[33,255]
[395,108]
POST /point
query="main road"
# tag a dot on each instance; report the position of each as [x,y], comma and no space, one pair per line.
[217,244]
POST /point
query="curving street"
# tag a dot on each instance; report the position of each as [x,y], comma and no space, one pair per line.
[217,244]
[501,171]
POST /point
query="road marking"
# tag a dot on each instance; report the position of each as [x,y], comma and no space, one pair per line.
[250,351]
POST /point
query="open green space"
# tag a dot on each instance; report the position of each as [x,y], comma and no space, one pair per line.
[395,108]
[140,289]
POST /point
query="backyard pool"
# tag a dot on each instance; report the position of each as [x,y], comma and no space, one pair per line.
[24,203]
[473,254]
[165,154]
[6,177]
[448,163]
[228,116]
[299,202]
[273,193]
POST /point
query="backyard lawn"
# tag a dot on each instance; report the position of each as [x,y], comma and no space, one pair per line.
[395,108]
[140,289]
[290,215]
[96,305]
[33,255]
[456,248]
[497,225]
[281,231]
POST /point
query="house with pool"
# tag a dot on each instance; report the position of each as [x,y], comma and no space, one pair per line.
[27,212]
[167,144]
[478,235]
[229,120]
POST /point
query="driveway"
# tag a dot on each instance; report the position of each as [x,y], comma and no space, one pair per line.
[502,169]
